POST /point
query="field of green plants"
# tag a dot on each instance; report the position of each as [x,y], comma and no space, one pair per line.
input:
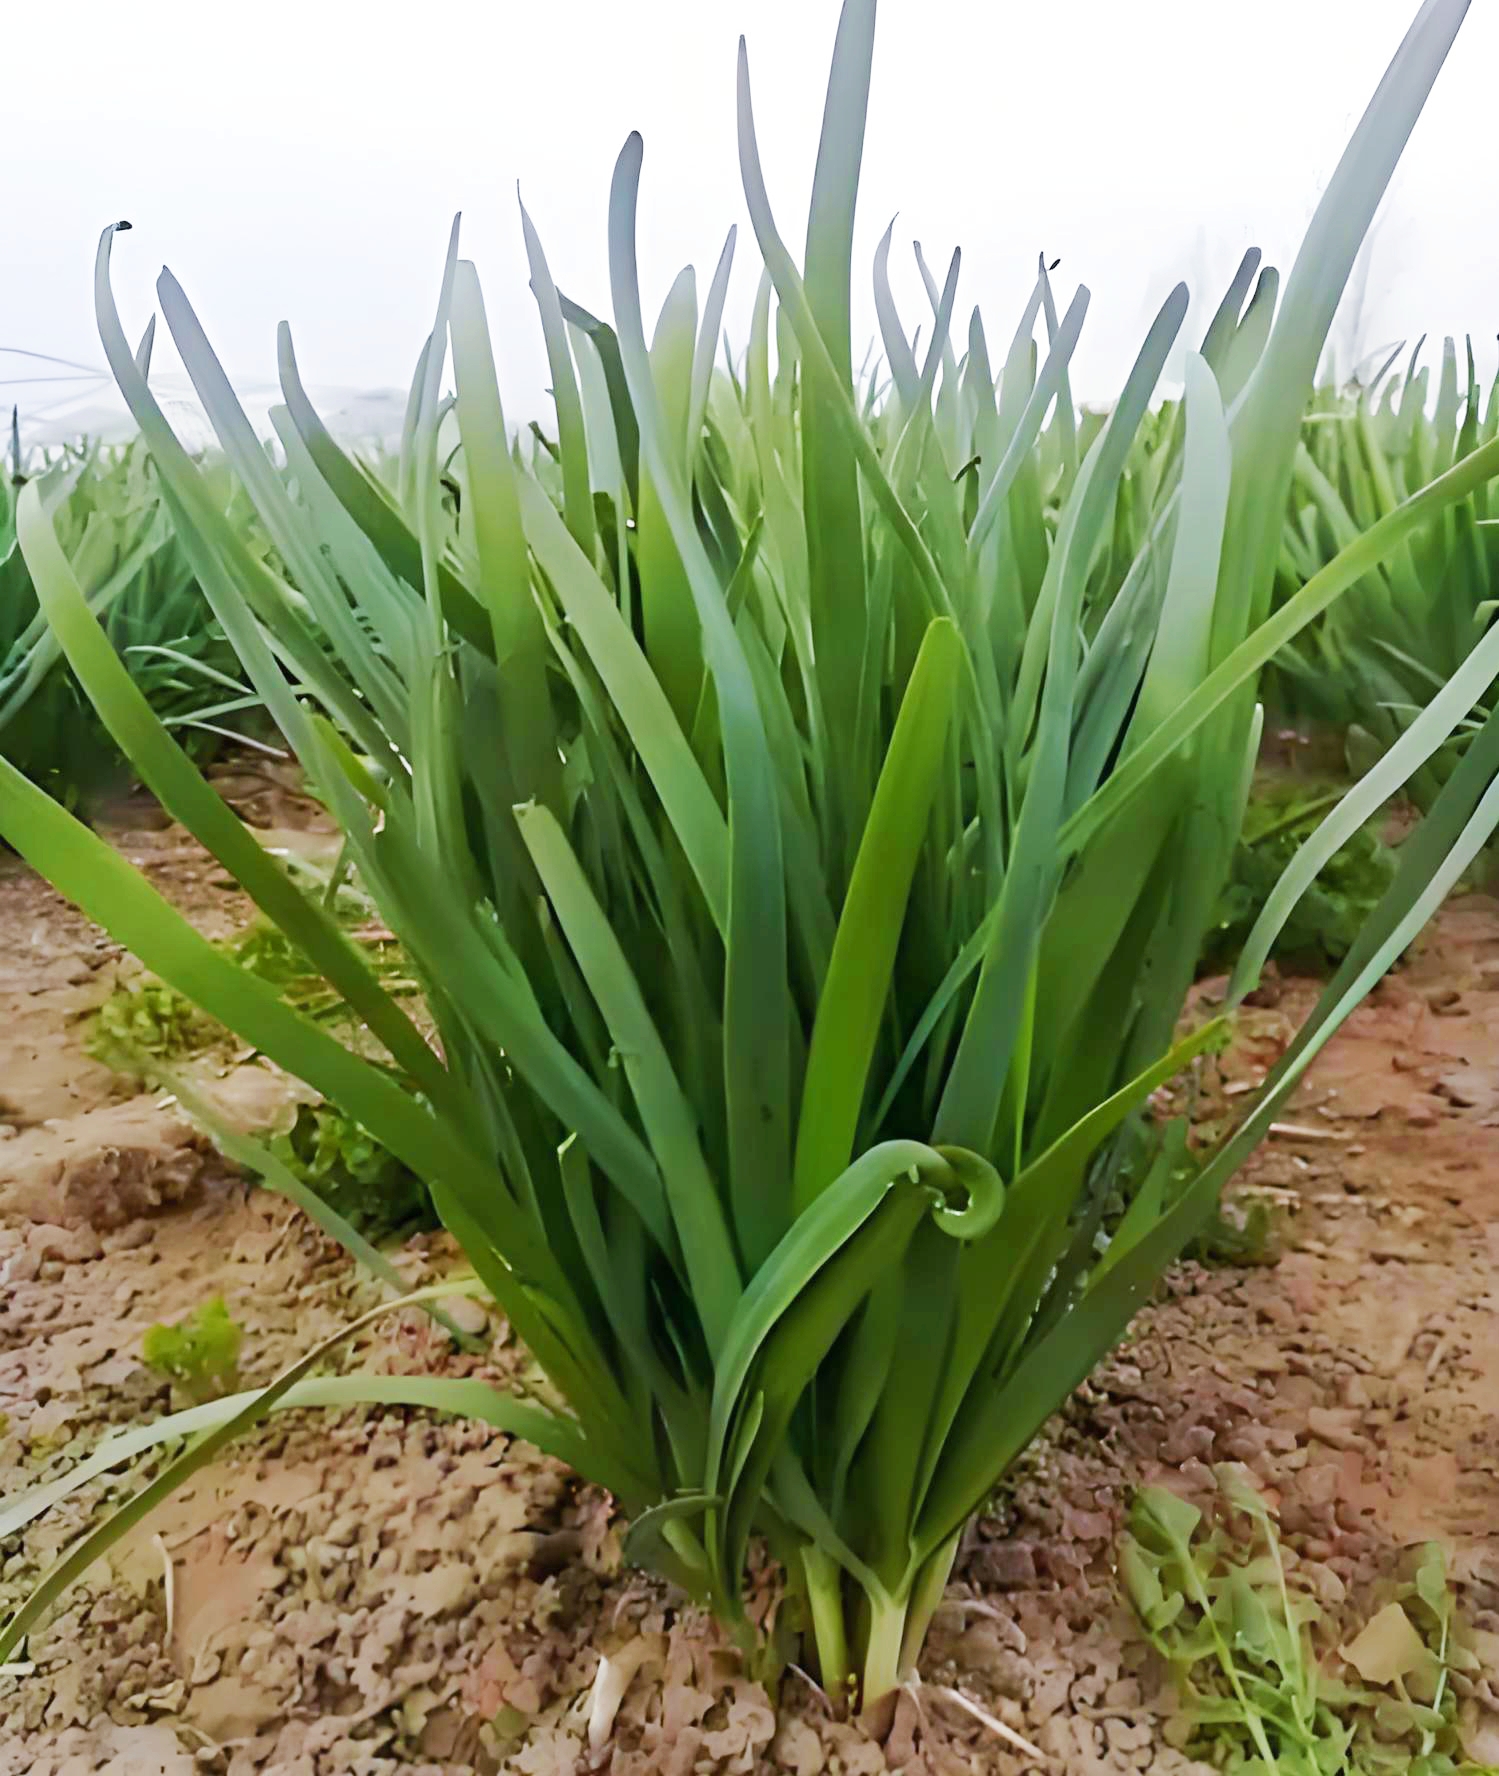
[808,912]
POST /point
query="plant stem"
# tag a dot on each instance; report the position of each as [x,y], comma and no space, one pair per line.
[926,1595]
[887,1631]
[688,1549]
[825,1599]
[1299,816]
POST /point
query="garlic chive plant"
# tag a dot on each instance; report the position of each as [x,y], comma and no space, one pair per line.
[806,911]
[130,564]
[1379,656]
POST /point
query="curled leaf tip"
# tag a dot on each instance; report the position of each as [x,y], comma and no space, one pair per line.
[121,227]
[981,1188]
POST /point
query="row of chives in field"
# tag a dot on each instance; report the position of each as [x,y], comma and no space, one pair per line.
[1412,624]
[119,539]
[804,878]
[1364,666]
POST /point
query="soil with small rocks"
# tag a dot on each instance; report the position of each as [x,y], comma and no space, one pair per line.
[377,1590]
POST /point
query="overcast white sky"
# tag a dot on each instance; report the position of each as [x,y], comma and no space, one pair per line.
[302,158]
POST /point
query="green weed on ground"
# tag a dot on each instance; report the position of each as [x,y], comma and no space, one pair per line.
[1266,1687]
[143,1021]
[1329,916]
[198,1354]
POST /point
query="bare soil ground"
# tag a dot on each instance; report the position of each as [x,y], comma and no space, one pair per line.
[377,1591]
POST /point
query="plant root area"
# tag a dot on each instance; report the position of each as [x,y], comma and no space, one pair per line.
[378,1590]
